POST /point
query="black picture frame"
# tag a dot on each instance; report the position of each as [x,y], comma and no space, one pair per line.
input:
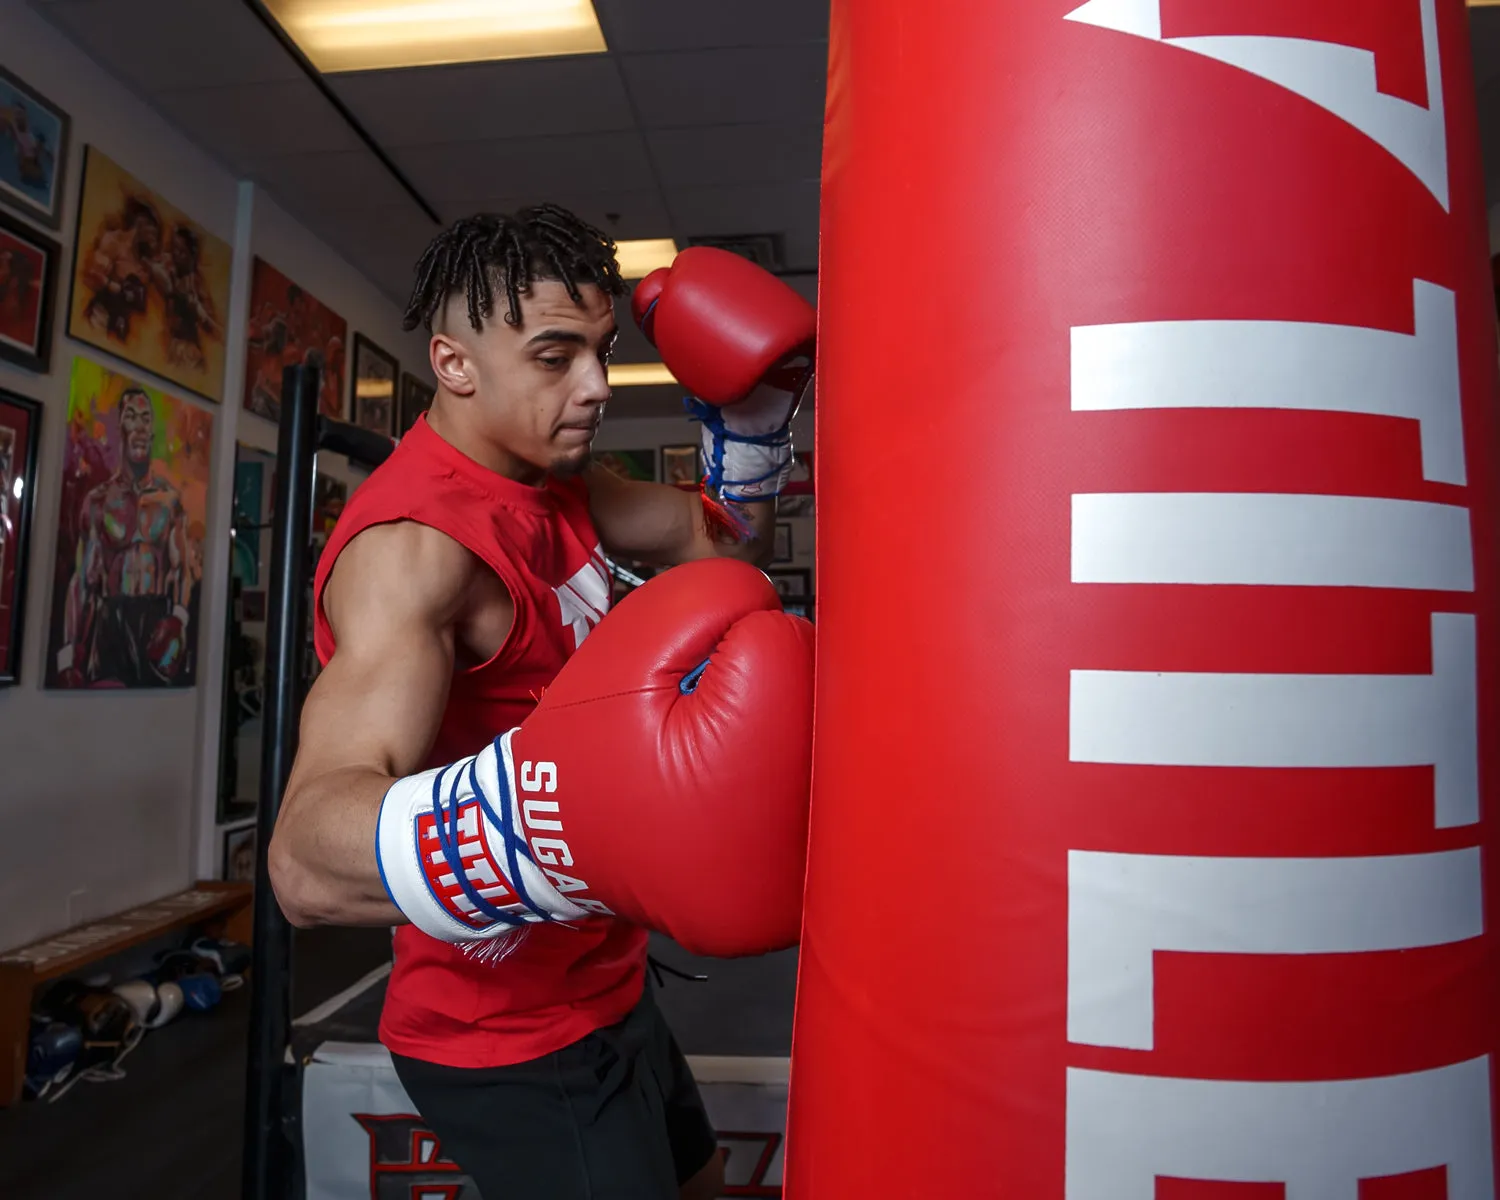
[366,411]
[37,355]
[416,398]
[793,584]
[781,549]
[49,215]
[234,840]
[15,542]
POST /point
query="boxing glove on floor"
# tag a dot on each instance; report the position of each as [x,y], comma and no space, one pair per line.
[663,779]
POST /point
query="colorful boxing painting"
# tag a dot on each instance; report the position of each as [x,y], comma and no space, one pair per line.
[33,151]
[290,327]
[28,289]
[20,422]
[129,567]
[150,285]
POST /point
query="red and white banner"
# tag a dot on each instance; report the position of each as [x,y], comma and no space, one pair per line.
[363,1140]
[1153,797]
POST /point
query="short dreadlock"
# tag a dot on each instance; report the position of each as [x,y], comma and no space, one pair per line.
[488,251]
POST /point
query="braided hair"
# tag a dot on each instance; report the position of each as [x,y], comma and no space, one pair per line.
[480,254]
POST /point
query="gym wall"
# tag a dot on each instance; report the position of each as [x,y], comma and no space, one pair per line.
[107,798]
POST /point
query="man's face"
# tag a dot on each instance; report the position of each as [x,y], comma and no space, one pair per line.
[136,423]
[182,254]
[540,387]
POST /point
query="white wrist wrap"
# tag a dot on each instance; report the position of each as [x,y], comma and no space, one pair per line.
[448,860]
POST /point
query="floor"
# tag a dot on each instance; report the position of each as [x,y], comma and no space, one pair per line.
[172,1127]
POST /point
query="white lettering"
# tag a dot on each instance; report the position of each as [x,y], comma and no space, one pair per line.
[1340,79]
[1123,908]
[1319,1139]
[1271,539]
[1287,365]
[564,883]
[1224,720]
[531,807]
[543,850]
[538,777]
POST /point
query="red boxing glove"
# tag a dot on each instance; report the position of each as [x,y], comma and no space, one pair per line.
[722,323]
[663,779]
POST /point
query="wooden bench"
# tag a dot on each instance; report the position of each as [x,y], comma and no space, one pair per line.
[218,909]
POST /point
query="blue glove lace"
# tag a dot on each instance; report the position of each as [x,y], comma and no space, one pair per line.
[515,846]
[711,417]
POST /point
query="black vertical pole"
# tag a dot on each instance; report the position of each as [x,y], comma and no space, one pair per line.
[265,1172]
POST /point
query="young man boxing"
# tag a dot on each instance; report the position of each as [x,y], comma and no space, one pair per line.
[507,837]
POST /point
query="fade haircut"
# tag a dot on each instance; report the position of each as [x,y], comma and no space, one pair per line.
[480,255]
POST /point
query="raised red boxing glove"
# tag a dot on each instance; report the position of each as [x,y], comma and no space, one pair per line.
[722,323]
[663,779]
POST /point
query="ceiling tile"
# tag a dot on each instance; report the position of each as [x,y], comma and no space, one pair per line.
[788,209]
[483,101]
[725,154]
[247,122]
[463,172]
[159,45]
[632,26]
[729,87]
[323,182]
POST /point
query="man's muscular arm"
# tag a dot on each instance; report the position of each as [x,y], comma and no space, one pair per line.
[393,601]
[665,526]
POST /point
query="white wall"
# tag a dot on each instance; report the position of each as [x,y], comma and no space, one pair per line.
[107,798]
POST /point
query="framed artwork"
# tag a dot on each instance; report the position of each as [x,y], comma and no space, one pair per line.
[125,612]
[629,464]
[794,584]
[782,550]
[801,505]
[33,151]
[239,855]
[375,375]
[416,398]
[245,636]
[290,327]
[28,292]
[679,466]
[150,285]
[799,608]
[20,425]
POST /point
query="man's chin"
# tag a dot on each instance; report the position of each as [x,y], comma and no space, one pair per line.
[568,465]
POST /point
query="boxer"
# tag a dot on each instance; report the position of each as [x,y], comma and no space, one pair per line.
[521,802]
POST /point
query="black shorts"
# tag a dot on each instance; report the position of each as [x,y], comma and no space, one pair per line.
[616,1116]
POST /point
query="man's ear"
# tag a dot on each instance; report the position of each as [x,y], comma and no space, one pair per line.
[451,365]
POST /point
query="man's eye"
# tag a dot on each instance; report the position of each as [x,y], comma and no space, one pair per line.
[554,363]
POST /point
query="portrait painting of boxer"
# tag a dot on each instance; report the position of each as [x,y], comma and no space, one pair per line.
[150,284]
[129,566]
[289,327]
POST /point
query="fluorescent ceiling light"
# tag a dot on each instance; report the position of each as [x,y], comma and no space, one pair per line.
[639,374]
[638,259]
[362,35]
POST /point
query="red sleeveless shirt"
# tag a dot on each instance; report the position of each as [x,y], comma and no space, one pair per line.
[561,983]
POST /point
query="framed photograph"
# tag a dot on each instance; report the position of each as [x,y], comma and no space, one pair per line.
[416,398]
[28,292]
[799,608]
[802,505]
[290,327]
[679,466]
[129,449]
[33,151]
[150,284]
[20,425]
[782,550]
[629,464]
[795,584]
[239,855]
[375,375]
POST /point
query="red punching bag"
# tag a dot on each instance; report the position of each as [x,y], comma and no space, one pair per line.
[1157,636]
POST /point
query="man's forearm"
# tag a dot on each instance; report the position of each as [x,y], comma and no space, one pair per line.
[755,547]
[322,857]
